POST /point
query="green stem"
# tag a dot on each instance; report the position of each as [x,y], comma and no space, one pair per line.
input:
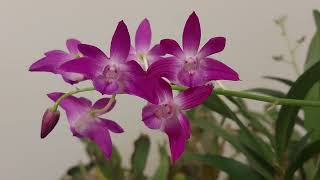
[247,95]
[57,103]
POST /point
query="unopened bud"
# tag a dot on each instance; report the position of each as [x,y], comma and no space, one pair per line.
[49,121]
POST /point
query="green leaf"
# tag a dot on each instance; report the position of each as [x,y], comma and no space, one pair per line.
[256,159]
[266,91]
[140,155]
[279,79]
[316,15]
[233,168]
[214,103]
[312,113]
[111,168]
[288,114]
[306,153]
[299,146]
[163,168]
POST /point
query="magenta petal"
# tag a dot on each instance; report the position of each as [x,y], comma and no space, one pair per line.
[191,35]
[106,87]
[101,103]
[111,125]
[72,45]
[185,124]
[92,52]
[86,66]
[165,67]
[47,64]
[85,102]
[216,70]
[193,97]
[188,79]
[214,45]
[149,118]
[72,105]
[143,36]
[170,46]
[120,44]
[56,54]
[177,137]
[102,138]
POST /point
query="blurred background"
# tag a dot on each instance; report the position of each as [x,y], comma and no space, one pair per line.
[29,28]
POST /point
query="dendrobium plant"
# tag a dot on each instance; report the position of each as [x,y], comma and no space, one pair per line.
[135,70]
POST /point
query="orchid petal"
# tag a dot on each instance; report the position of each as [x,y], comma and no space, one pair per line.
[214,45]
[143,37]
[188,79]
[177,137]
[149,118]
[102,138]
[120,44]
[92,52]
[216,70]
[193,96]
[165,67]
[72,105]
[185,124]
[86,66]
[104,87]
[191,35]
[101,103]
[59,54]
[72,45]
[170,46]
[47,64]
[111,125]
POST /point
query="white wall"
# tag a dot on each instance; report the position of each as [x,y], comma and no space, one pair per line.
[29,28]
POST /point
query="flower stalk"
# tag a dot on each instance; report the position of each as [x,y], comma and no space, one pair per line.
[78,90]
[247,95]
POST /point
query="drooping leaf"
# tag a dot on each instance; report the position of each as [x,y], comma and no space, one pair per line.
[233,168]
[288,114]
[306,153]
[311,114]
[279,79]
[139,156]
[163,168]
[269,92]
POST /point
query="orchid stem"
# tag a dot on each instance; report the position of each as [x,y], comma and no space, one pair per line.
[78,90]
[111,101]
[246,95]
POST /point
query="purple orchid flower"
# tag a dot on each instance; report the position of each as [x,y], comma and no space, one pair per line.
[168,115]
[55,58]
[190,67]
[84,124]
[114,75]
[142,52]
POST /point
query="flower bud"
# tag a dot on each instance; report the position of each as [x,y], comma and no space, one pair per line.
[49,121]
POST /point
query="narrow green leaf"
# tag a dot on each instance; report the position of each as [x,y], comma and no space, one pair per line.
[279,79]
[140,155]
[299,146]
[214,103]
[163,168]
[266,91]
[233,168]
[316,15]
[311,114]
[306,153]
[288,114]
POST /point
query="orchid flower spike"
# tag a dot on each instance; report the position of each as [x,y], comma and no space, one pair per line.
[84,124]
[168,116]
[55,58]
[114,75]
[189,67]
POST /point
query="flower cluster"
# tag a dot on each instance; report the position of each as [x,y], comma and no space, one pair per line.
[143,70]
